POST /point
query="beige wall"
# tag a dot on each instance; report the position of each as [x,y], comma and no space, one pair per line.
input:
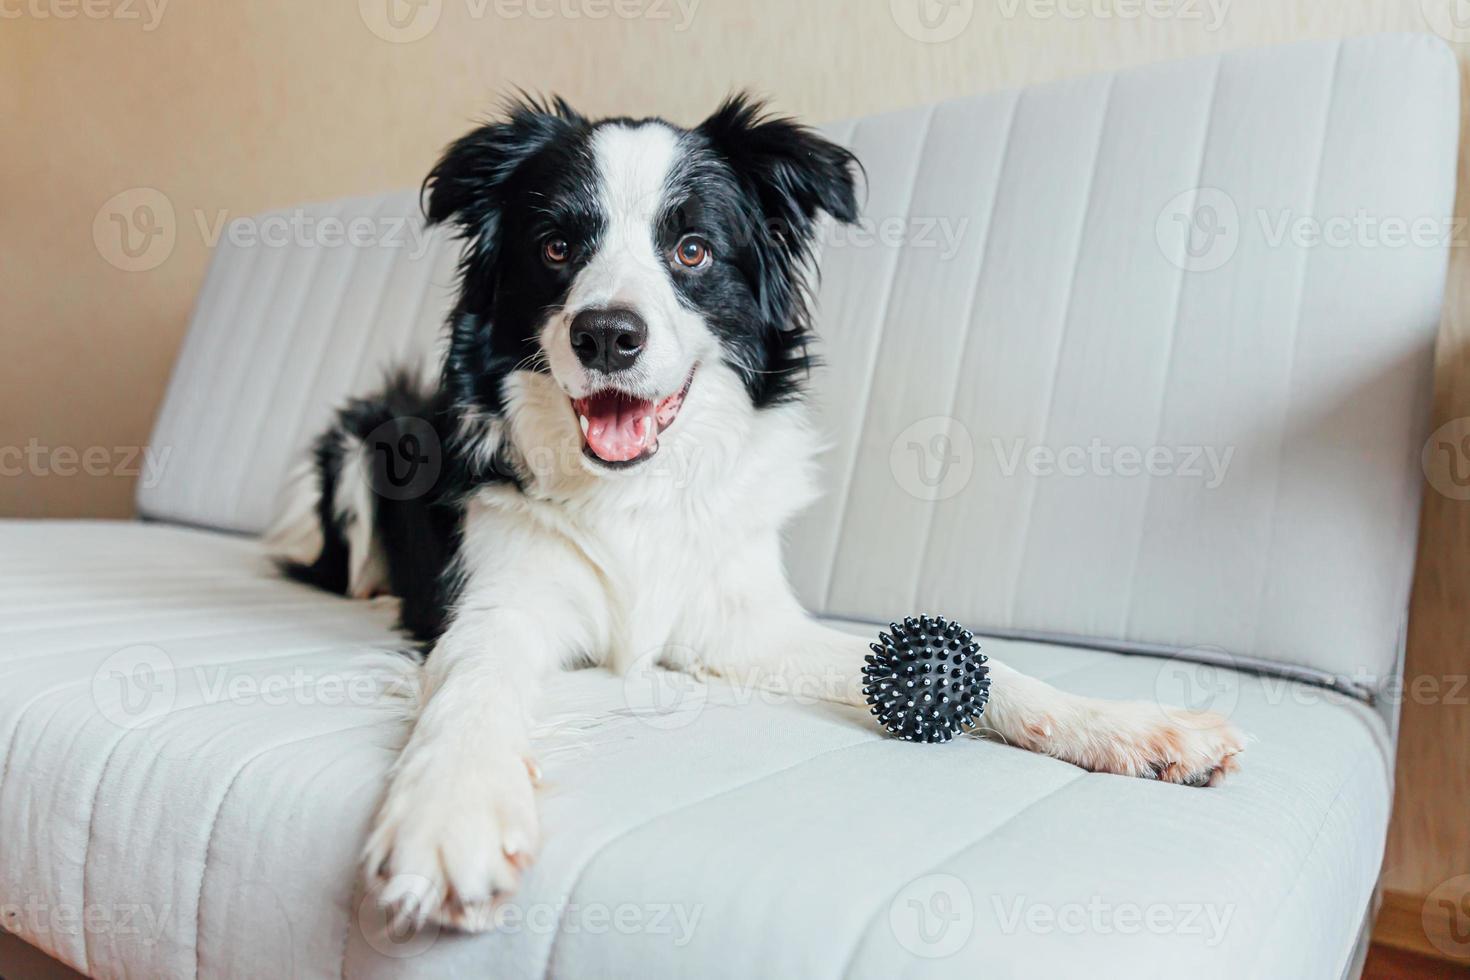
[237,105]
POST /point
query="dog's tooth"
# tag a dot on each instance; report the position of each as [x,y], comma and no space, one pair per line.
[585,423]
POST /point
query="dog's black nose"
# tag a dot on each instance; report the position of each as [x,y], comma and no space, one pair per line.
[608,340]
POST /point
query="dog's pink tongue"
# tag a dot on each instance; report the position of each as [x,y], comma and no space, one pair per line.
[618,429]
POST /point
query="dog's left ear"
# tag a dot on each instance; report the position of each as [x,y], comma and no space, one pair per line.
[793,171]
[788,175]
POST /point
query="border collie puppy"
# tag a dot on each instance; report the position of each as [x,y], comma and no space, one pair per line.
[621,413]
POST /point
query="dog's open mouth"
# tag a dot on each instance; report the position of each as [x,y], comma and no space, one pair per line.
[620,429]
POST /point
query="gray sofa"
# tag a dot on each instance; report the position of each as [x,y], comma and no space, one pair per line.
[1130,373]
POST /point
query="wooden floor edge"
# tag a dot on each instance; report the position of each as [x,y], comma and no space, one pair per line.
[1407,921]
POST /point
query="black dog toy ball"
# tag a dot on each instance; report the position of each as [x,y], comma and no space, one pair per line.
[926,679]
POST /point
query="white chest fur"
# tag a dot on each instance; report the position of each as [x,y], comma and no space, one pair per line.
[664,558]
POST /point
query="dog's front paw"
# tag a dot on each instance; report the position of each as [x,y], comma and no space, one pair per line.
[1191,748]
[446,844]
[1137,738]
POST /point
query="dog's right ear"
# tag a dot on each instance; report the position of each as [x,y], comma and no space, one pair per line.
[467,184]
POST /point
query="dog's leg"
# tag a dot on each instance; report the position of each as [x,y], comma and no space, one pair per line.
[791,652]
[458,821]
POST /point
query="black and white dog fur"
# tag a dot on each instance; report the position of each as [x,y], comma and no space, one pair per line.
[624,437]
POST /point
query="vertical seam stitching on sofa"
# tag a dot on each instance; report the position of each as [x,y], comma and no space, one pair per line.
[878,337]
[329,333]
[868,928]
[844,133]
[1327,813]
[188,354]
[210,361]
[1182,281]
[1296,336]
[87,845]
[249,335]
[967,325]
[287,349]
[290,456]
[1102,132]
[686,805]
[376,320]
[430,262]
[220,806]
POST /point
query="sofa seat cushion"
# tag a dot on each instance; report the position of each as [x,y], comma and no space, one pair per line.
[194,748]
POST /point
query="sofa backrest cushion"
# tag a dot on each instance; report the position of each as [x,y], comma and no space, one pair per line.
[1140,360]
[301,308]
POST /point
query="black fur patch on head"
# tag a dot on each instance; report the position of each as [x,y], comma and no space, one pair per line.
[494,183]
[760,183]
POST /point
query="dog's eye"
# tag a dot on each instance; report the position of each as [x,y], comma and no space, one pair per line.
[692,252]
[556,250]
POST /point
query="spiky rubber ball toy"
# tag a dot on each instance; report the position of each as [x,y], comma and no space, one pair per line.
[926,679]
